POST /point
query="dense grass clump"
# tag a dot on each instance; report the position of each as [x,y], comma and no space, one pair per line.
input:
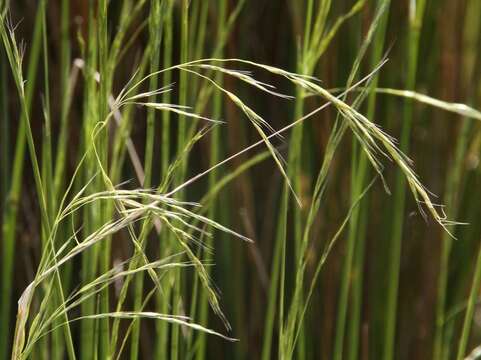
[240,179]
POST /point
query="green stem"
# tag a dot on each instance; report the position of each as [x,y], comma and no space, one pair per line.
[155,35]
[181,141]
[9,222]
[358,223]
[88,340]
[163,300]
[394,255]
[215,151]
[468,318]
[454,183]
[104,92]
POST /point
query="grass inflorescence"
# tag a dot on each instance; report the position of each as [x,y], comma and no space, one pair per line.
[196,179]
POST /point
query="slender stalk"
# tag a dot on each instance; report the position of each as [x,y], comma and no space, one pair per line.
[163,302]
[414,32]
[47,175]
[215,153]
[9,221]
[454,184]
[4,134]
[360,164]
[183,89]
[358,223]
[15,61]
[306,62]
[5,185]
[59,176]
[272,297]
[60,160]
[88,342]
[181,141]
[155,22]
[282,239]
[104,92]
[468,318]
[197,32]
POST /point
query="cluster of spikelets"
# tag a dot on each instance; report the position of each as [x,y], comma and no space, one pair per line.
[182,219]
[141,209]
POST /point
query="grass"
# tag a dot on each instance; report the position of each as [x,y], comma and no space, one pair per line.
[416,15]
[194,179]
[13,198]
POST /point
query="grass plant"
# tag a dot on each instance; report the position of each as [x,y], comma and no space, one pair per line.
[193,179]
